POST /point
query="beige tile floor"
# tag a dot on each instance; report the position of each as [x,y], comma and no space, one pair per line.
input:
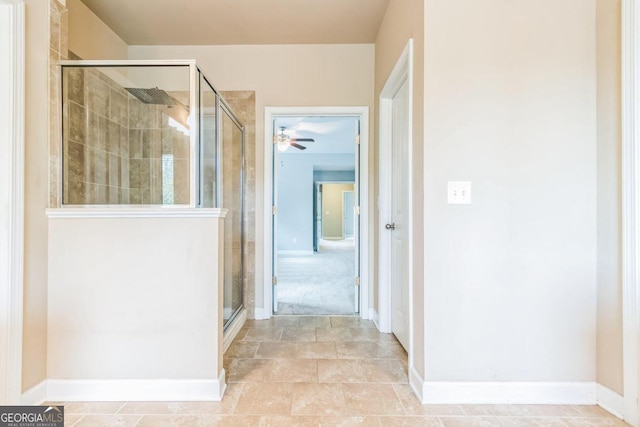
[322,371]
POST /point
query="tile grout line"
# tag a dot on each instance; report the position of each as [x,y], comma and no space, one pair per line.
[121,408]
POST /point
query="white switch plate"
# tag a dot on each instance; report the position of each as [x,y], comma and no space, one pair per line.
[459,193]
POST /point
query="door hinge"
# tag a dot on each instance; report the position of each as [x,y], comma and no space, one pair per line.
[358,139]
[274,280]
[357,210]
[274,210]
[357,280]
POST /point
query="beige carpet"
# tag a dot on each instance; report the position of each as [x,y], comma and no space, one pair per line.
[322,283]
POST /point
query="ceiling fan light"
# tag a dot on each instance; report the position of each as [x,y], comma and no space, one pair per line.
[283,144]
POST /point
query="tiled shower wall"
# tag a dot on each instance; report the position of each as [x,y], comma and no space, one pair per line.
[58,50]
[96,139]
[114,146]
[150,140]
[243,105]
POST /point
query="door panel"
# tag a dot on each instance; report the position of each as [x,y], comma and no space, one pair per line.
[400,215]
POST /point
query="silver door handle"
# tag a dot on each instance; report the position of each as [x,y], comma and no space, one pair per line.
[390,226]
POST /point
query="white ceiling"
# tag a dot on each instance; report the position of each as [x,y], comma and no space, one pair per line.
[223,22]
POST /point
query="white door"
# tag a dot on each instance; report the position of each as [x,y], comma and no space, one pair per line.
[399,213]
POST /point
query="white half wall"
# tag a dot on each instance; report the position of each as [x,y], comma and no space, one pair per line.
[135,304]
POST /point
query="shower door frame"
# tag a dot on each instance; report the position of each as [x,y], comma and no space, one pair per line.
[223,107]
[360,113]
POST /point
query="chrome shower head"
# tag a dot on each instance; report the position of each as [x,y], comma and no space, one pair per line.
[152,96]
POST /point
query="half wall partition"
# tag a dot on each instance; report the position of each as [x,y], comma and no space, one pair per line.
[151,134]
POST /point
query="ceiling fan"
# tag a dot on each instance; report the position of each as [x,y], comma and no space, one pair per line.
[283,141]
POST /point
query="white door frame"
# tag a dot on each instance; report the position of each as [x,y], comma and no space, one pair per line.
[402,71]
[363,114]
[630,206]
[12,97]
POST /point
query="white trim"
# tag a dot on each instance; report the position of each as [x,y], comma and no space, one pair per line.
[365,198]
[131,212]
[233,329]
[12,118]
[260,313]
[610,401]
[127,62]
[374,317]
[36,395]
[630,205]
[416,382]
[137,390]
[402,72]
[533,393]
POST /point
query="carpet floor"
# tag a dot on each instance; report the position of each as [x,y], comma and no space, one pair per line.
[319,283]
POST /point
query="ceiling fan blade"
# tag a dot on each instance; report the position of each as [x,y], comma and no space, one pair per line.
[303,139]
[298,146]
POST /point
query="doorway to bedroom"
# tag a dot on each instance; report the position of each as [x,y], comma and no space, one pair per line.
[315,221]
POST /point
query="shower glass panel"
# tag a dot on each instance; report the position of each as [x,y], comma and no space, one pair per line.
[232,157]
[208,146]
[126,135]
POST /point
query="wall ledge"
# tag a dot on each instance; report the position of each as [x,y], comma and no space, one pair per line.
[135,212]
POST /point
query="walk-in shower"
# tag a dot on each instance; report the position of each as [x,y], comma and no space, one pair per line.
[150,133]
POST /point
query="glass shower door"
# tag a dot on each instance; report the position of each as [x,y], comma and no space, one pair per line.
[231,198]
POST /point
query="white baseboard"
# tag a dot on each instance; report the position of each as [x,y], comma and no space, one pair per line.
[610,401]
[549,393]
[416,382]
[136,390]
[36,395]
[375,317]
[233,329]
[261,313]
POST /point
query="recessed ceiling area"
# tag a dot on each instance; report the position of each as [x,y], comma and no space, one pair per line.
[226,22]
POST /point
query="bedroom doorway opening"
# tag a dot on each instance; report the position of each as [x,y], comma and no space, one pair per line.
[315,221]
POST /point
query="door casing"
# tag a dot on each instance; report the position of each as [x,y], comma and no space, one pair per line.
[402,71]
[362,113]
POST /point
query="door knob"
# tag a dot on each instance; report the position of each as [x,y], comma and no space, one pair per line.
[390,226]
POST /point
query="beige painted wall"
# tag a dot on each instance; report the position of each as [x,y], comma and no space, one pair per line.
[34,357]
[403,20]
[510,280]
[332,210]
[89,37]
[282,75]
[609,338]
[114,314]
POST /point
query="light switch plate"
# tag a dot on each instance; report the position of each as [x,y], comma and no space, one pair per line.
[459,193]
